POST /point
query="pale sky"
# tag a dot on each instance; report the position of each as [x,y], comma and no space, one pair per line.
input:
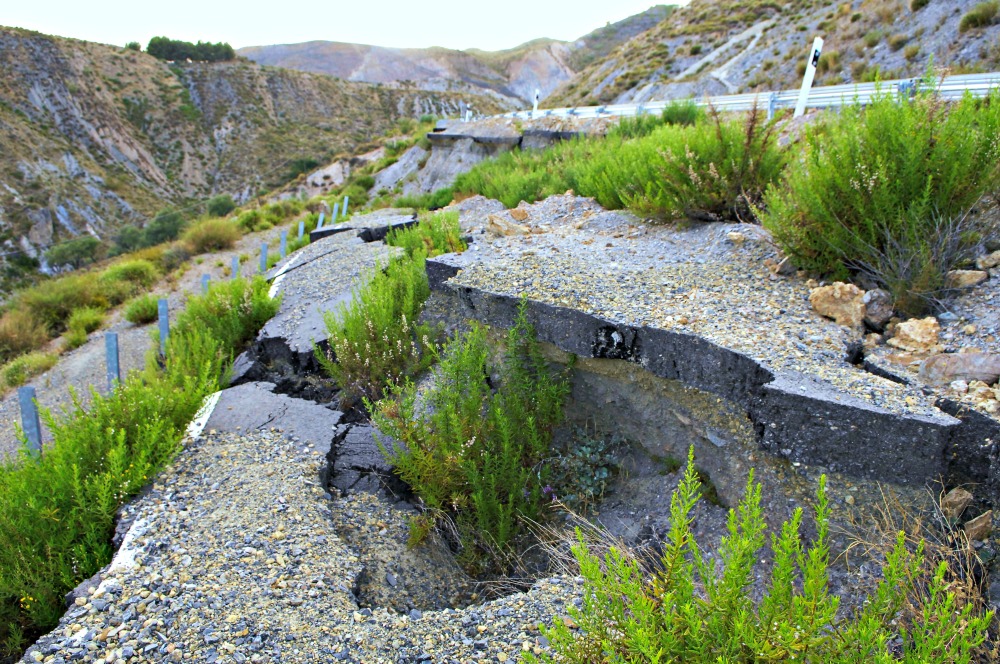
[403,23]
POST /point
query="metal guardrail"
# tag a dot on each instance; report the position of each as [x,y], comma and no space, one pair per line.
[831,96]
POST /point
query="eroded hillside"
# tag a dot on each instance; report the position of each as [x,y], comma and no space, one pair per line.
[95,137]
[511,75]
[728,46]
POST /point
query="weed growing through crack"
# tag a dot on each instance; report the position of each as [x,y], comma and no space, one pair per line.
[375,340]
[692,607]
[473,454]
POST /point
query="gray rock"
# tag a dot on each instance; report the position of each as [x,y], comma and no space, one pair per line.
[878,308]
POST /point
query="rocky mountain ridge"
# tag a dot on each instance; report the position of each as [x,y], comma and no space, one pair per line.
[729,46]
[512,75]
[96,137]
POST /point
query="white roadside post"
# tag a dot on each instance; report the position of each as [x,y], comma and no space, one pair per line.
[807,80]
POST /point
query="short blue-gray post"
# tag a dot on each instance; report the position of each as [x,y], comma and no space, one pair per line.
[113,366]
[205,278]
[319,224]
[284,243]
[164,325]
[235,270]
[302,229]
[772,105]
[346,201]
[30,423]
[263,256]
[336,211]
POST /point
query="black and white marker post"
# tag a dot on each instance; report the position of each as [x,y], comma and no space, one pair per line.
[807,80]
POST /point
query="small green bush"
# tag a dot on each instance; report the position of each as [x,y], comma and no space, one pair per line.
[17,371]
[435,234]
[20,332]
[429,201]
[917,5]
[211,235]
[221,205]
[698,608]
[126,279]
[980,16]
[50,303]
[885,191]
[250,220]
[166,226]
[366,182]
[83,321]
[142,310]
[74,337]
[473,455]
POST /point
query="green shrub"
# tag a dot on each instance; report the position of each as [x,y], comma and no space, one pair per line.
[473,455]
[435,234]
[211,235]
[57,512]
[142,310]
[698,608]
[366,182]
[885,191]
[87,319]
[74,253]
[221,205]
[20,332]
[917,5]
[375,340]
[429,201]
[17,371]
[710,171]
[250,220]
[51,302]
[74,337]
[980,16]
[126,279]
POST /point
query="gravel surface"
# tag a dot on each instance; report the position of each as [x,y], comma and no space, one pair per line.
[235,555]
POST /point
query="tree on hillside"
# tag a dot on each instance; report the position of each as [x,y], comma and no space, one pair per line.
[165,48]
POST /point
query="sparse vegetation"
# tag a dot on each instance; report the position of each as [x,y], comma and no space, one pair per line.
[19,370]
[691,607]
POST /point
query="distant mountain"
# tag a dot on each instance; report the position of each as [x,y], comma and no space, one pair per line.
[94,137]
[728,46]
[512,75]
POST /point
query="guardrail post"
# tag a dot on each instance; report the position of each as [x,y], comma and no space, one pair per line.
[205,278]
[461,110]
[302,229]
[284,243]
[235,270]
[263,257]
[336,211]
[164,315]
[347,199]
[772,105]
[30,423]
[807,80]
[112,363]
[319,224]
